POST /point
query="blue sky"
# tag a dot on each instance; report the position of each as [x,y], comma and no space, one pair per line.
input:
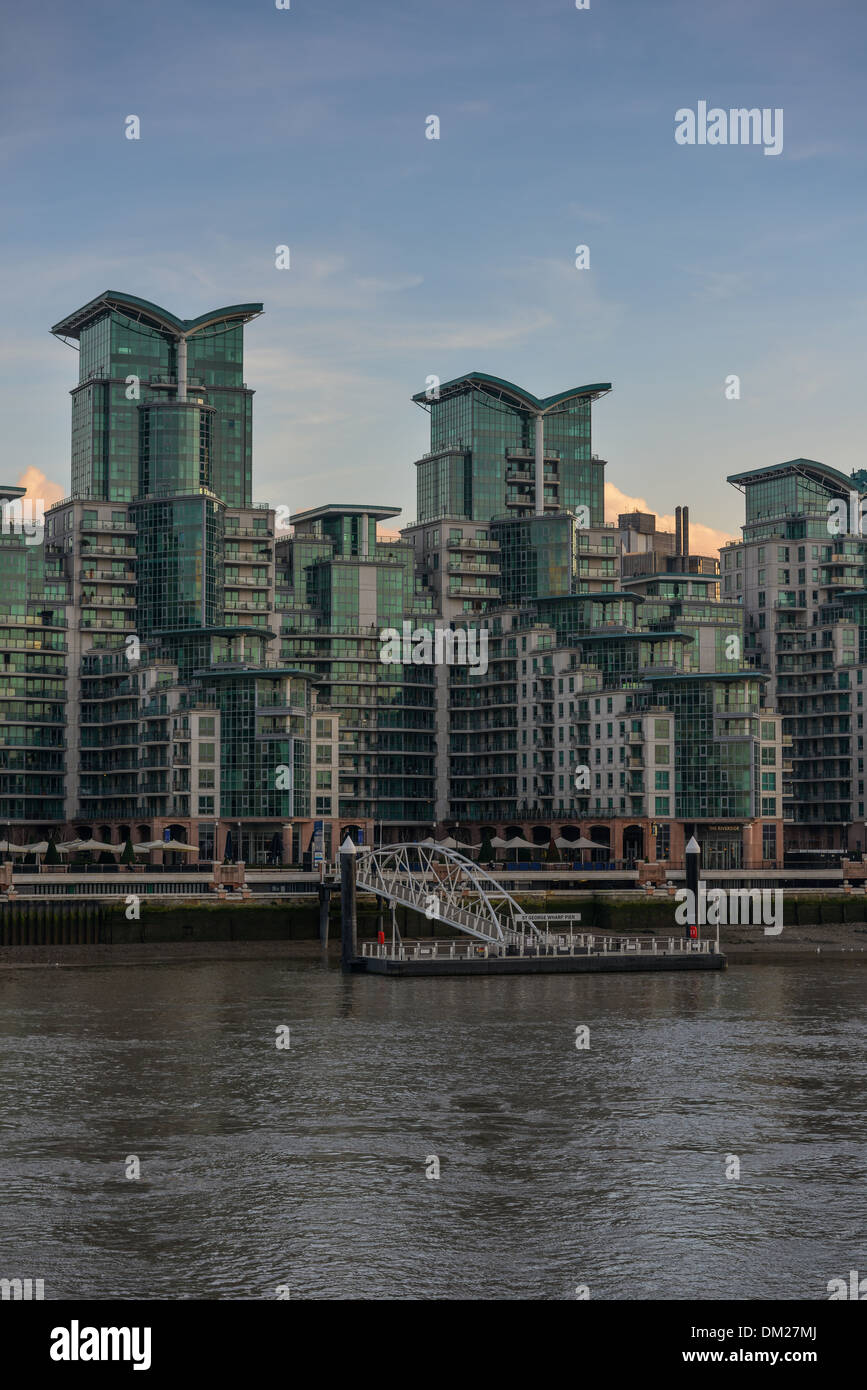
[413,257]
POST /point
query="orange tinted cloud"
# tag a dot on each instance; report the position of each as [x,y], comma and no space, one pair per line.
[40,488]
[703,540]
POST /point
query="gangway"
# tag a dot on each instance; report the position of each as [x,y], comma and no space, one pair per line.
[462,895]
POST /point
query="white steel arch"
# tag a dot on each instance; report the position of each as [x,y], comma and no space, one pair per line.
[462,895]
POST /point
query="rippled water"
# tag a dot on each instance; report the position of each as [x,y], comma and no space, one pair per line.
[306,1167]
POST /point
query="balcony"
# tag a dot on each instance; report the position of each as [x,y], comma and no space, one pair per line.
[94,600]
[472,544]
[194,383]
[127,577]
[117,552]
[468,591]
[468,567]
[528,501]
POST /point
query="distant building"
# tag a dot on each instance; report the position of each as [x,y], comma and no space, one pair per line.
[801,584]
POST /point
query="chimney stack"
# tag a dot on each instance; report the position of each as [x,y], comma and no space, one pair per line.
[678,533]
[685,531]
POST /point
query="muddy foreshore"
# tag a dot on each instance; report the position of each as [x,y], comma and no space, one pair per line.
[841,943]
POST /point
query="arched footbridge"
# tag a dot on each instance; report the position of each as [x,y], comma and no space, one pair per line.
[449,888]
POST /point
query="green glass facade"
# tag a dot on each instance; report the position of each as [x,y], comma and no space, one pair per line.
[482,446]
[33,678]
[180,548]
[336,601]
[538,557]
[127,419]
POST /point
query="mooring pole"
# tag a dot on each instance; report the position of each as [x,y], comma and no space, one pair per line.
[348,926]
[692,854]
[324,906]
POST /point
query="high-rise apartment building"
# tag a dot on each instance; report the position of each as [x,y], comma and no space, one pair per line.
[175,666]
[339,589]
[799,575]
[180,720]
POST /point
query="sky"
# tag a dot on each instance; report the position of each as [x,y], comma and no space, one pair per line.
[412,257]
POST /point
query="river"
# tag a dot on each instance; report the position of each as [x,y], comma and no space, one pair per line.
[303,1168]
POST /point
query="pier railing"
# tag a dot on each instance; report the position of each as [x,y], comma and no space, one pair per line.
[583,944]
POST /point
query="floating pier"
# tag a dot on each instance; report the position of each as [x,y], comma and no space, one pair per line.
[585,955]
[504,939]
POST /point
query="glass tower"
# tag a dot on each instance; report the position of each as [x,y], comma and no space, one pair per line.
[482,459]
[160,400]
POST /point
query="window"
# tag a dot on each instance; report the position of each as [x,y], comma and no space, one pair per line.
[207,725]
[206,777]
[660,781]
[663,754]
[207,752]
[660,805]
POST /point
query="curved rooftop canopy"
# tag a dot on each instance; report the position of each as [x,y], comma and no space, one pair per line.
[338,509]
[810,468]
[510,393]
[143,311]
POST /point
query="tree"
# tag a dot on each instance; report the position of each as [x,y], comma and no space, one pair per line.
[486,851]
[553,854]
[51,854]
[128,855]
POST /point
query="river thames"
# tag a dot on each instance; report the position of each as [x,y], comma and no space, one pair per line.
[303,1168]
